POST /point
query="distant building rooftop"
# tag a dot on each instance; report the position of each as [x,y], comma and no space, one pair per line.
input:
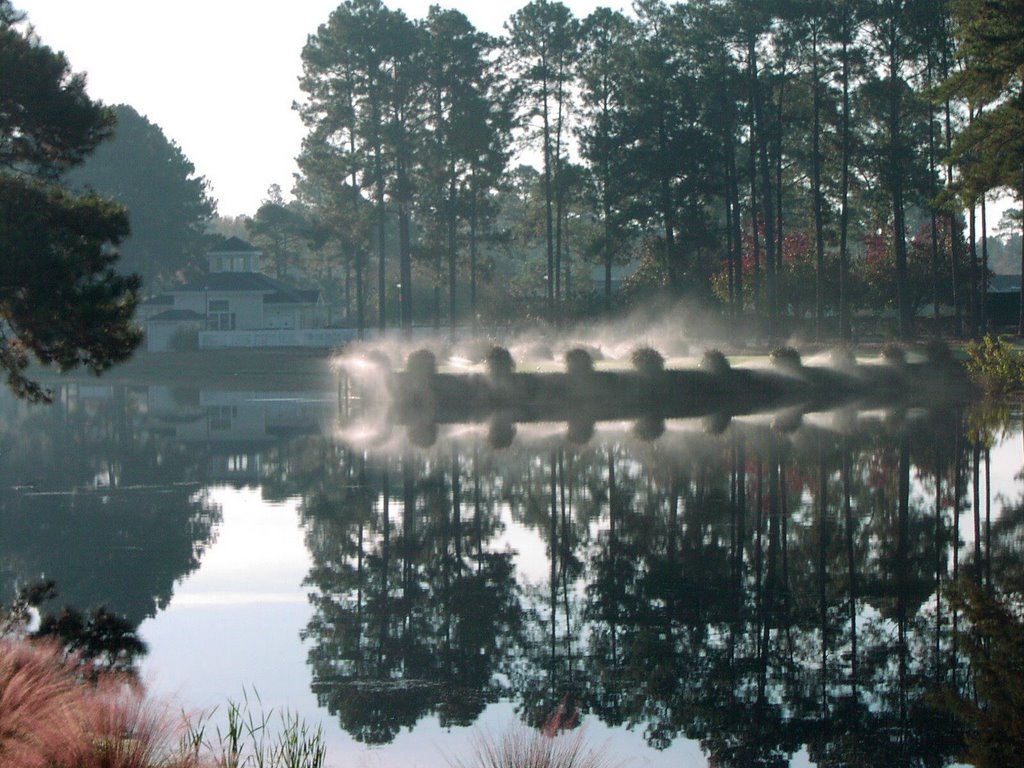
[176,315]
[250,282]
[1004,284]
[235,245]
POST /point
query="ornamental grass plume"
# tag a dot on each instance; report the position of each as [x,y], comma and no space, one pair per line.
[556,744]
[53,716]
[38,705]
[523,747]
[125,729]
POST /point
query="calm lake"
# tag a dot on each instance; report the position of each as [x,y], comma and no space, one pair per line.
[765,591]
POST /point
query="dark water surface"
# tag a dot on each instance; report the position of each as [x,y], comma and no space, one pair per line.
[765,591]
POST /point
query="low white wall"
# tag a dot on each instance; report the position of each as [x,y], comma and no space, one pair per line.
[322,338]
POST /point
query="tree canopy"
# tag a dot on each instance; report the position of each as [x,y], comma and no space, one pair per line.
[990,150]
[61,300]
[704,144]
[168,204]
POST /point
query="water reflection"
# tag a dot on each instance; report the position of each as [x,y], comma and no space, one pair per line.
[774,584]
[760,585]
[93,500]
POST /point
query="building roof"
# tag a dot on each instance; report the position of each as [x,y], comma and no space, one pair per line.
[235,245]
[1004,283]
[295,295]
[250,282]
[176,315]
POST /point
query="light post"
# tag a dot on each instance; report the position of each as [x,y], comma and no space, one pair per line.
[398,287]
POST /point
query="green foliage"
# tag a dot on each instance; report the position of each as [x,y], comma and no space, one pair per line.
[764,154]
[48,123]
[500,364]
[786,359]
[990,150]
[714,362]
[421,365]
[168,204]
[61,300]
[578,362]
[995,647]
[893,353]
[251,738]
[995,364]
[97,637]
[281,231]
[647,360]
[98,640]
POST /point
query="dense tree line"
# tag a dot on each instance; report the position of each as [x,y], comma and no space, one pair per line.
[168,204]
[789,161]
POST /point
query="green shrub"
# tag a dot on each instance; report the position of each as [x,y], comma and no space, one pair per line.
[647,361]
[578,362]
[995,365]
[185,340]
[786,359]
[500,364]
[894,354]
[714,362]
[421,365]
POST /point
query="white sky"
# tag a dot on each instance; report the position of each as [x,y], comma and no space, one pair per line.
[218,76]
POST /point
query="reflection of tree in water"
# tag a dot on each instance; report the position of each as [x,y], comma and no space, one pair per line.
[755,591]
[416,613]
[112,515]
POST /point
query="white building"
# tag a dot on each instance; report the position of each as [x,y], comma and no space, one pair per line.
[236,305]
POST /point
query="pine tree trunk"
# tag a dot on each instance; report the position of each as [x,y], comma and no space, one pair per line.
[766,192]
[819,228]
[845,324]
[451,273]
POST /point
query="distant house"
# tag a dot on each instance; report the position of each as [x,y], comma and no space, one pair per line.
[236,305]
[1003,303]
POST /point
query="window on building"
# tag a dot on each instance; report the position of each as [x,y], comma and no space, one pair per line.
[219,316]
[220,417]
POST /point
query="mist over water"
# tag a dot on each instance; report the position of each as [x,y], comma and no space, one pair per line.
[652,374]
[679,330]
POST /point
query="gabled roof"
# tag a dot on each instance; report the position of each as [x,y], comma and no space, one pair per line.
[235,245]
[176,315]
[250,282]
